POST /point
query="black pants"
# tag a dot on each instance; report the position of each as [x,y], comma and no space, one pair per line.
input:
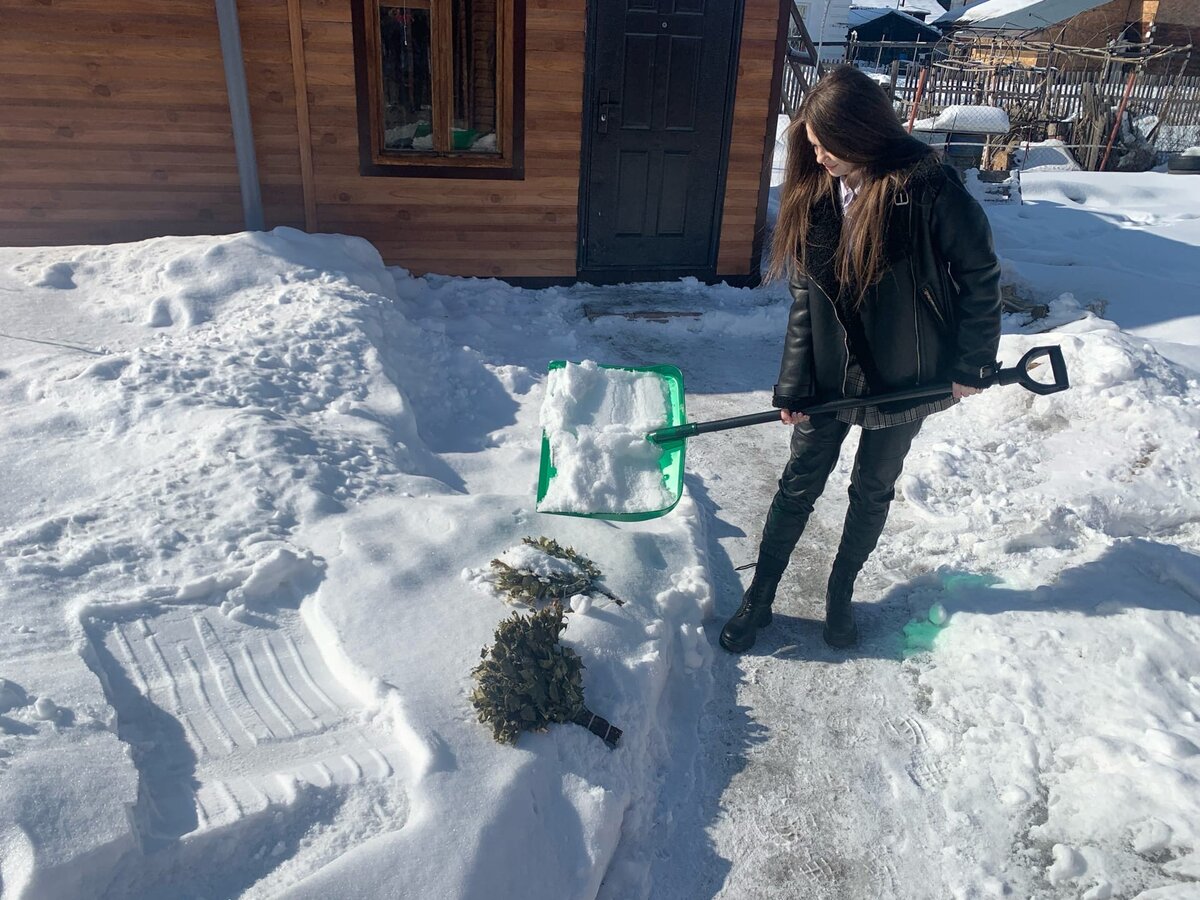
[816,445]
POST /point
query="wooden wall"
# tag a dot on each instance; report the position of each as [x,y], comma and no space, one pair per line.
[271,88]
[457,226]
[1178,12]
[1096,26]
[1178,23]
[509,228]
[114,122]
[115,126]
[752,120]
[1092,28]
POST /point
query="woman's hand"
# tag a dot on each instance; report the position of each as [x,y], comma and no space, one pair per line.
[964,390]
[792,418]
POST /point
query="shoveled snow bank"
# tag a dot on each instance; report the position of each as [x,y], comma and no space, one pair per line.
[233,555]
[1062,682]
[477,808]
[1125,244]
[239,647]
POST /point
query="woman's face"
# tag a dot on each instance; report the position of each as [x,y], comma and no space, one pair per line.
[834,166]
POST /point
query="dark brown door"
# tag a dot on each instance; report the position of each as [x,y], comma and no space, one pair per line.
[656,120]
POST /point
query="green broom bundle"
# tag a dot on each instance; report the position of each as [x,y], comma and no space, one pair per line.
[529,680]
[521,585]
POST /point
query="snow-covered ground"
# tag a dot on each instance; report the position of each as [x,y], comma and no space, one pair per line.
[251,480]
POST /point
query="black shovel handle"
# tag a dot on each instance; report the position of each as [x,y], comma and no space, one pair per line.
[1018,374]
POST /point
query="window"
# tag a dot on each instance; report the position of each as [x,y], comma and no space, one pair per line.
[439,87]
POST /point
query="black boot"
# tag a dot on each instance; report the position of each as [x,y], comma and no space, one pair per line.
[755,612]
[840,630]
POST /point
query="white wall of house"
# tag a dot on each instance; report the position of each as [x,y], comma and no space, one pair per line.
[826,23]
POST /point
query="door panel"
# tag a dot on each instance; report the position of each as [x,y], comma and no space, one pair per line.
[657,128]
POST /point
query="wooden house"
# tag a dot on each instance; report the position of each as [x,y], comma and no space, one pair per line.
[539,141]
[1082,23]
[873,25]
[826,22]
[924,10]
[1172,22]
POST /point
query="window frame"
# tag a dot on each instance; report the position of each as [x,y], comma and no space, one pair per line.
[374,159]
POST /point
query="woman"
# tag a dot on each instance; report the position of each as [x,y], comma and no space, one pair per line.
[895,284]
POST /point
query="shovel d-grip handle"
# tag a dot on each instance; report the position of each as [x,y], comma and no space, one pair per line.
[1018,374]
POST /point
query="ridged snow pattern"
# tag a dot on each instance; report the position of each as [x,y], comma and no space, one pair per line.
[228,718]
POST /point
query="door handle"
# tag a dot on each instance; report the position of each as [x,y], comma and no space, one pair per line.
[604,110]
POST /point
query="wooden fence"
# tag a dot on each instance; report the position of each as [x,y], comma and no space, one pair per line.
[1045,103]
[1040,102]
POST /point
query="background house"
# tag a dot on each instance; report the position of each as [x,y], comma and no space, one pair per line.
[925,10]
[890,26]
[1085,23]
[827,22]
[1017,15]
[1172,22]
[534,140]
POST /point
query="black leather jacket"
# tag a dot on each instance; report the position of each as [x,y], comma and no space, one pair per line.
[935,316]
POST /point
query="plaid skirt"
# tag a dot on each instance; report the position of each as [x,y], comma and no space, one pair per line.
[871,416]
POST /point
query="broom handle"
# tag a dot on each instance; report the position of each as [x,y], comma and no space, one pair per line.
[599,726]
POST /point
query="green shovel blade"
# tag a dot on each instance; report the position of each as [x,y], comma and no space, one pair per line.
[670,462]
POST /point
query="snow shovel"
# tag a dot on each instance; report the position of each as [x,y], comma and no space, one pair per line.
[669,461]
[672,438]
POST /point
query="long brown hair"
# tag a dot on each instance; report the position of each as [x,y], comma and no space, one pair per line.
[853,119]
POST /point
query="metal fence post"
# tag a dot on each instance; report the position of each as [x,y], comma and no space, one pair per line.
[912,116]
[1120,113]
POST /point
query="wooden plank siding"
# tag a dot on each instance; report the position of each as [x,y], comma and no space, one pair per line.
[114,122]
[515,229]
[470,226]
[271,89]
[753,117]
[115,126]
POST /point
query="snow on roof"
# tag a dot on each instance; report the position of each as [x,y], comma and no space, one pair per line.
[912,7]
[857,17]
[1017,15]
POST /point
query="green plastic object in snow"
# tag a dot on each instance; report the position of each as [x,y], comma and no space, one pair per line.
[670,462]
